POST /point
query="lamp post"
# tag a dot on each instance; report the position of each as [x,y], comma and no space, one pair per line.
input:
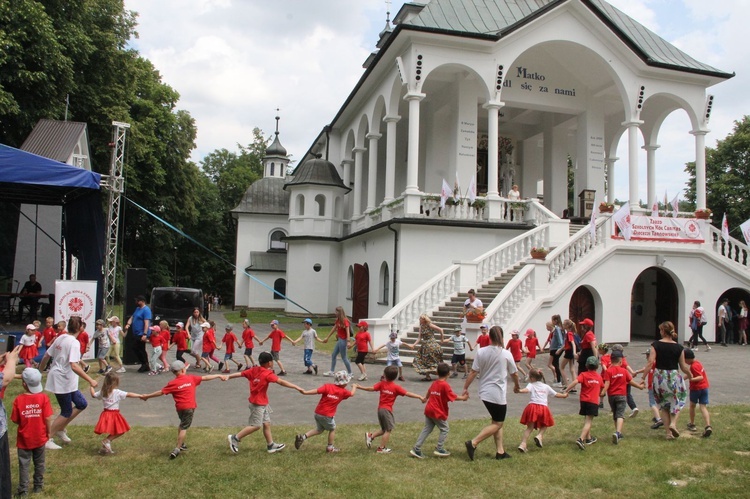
[175,267]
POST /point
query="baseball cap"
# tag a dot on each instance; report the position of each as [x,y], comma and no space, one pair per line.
[530,332]
[592,361]
[483,326]
[393,334]
[617,354]
[515,332]
[33,379]
[30,326]
[114,318]
[341,378]
[205,324]
[587,322]
[362,324]
[275,322]
[308,321]
[689,354]
[228,327]
[155,328]
[180,324]
[177,366]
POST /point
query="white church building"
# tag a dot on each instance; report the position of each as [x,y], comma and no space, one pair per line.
[491,94]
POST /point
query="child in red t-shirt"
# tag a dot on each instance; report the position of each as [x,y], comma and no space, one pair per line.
[49,333]
[32,413]
[591,385]
[180,340]
[483,339]
[247,341]
[83,339]
[259,378]
[182,388]
[436,412]
[605,360]
[363,341]
[166,342]
[276,336]
[28,344]
[529,346]
[389,390]
[155,340]
[331,396]
[515,346]
[616,380]
[698,393]
[229,340]
[209,346]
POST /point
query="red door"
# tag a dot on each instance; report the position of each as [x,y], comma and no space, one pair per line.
[581,306]
[360,293]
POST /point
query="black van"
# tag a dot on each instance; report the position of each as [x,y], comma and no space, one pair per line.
[174,304]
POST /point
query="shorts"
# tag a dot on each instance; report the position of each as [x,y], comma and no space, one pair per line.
[101,354]
[568,354]
[68,400]
[394,362]
[249,352]
[589,409]
[228,356]
[458,359]
[259,414]
[699,396]
[386,420]
[497,411]
[325,423]
[275,355]
[205,355]
[617,403]
[360,358]
[186,418]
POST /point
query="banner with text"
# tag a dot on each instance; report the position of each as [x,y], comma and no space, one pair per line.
[76,298]
[645,228]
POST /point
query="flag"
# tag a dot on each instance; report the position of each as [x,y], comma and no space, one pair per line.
[745,228]
[622,219]
[456,190]
[655,208]
[666,203]
[592,224]
[472,189]
[724,228]
[445,193]
[676,204]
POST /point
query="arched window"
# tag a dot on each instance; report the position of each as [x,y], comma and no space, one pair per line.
[300,205]
[320,201]
[273,166]
[276,242]
[279,285]
[350,283]
[385,284]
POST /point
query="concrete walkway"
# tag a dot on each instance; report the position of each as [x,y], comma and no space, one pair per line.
[225,403]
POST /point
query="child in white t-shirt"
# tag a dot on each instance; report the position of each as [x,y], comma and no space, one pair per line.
[309,337]
[394,349]
[104,343]
[537,415]
[460,342]
[111,423]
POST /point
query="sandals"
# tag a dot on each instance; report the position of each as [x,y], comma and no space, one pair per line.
[674,432]
[522,449]
[538,441]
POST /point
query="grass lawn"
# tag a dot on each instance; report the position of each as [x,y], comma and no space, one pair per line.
[643,465]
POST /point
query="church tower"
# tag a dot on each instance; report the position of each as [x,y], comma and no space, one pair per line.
[275,162]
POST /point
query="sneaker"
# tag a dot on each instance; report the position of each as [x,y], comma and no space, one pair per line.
[332,450]
[152,373]
[51,445]
[298,441]
[417,453]
[328,373]
[504,455]
[121,370]
[221,366]
[100,371]
[634,413]
[368,439]
[658,424]
[470,449]
[692,427]
[362,377]
[708,349]
[234,444]
[274,447]
[454,375]
[38,489]
[557,385]
[707,432]
[580,444]
[573,391]
[616,437]
[465,376]
[210,368]
[592,440]
[282,373]
[307,372]
[63,434]
[107,445]
[183,447]
[315,369]
[441,453]
[239,367]
[175,452]
[86,369]
[108,369]
[383,450]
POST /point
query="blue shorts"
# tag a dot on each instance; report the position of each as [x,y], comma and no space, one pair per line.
[699,396]
[394,362]
[228,356]
[249,352]
[68,400]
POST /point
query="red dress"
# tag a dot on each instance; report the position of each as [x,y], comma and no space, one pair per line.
[111,422]
[29,351]
[537,414]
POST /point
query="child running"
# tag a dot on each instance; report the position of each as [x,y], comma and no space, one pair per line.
[155,339]
[180,339]
[182,388]
[436,412]
[363,342]
[111,423]
[331,396]
[630,400]
[389,390]
[276,336]
[460,342]
[166,342]
[698,393]
[537,415]
[309,337]
[260,412]
[114,331]
[209,346]
[616,379]
[515,347]
[591,385]
[393,357]
[101,353]
[229,340]
[529,346]
[247,341]
[28,344]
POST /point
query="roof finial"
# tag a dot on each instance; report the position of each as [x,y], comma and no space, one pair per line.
[388,12]
[277,120]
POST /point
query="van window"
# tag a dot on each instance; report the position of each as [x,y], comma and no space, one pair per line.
[175,304]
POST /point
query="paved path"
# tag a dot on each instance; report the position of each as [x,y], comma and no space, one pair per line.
[225,403]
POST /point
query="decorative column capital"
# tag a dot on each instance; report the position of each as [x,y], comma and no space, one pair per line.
[611,161]
[417,96]
[494,104]
[632,123]
[347,161]
[392,119]
[699,132]
[653,147]
[359,150]
[373,136]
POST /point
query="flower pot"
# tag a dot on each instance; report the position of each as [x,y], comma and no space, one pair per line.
[538,255]
[702,215]
[606,209]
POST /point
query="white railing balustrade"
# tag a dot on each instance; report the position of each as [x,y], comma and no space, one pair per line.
[731,249]
[430,208]
[538,214]
[567,255]
[509,254]
[429,296]
[500,311]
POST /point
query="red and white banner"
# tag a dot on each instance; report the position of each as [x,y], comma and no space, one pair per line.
[76,298]
[645,228]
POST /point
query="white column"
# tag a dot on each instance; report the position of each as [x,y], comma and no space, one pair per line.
[412,162]
[346,165]
[390,157]
[372,169]
[633,162]
[611,179]
[492,150]
[357,208]
[700,168]
[651,172]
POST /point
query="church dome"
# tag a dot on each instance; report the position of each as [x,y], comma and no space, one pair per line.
[276,149]
[317,172]
[265,196]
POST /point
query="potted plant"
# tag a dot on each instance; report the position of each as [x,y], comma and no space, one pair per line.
[605,207]
[539,253]
[703,213]
[479,203]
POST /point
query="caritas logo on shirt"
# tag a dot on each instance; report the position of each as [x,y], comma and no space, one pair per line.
[32,411]
[331,396]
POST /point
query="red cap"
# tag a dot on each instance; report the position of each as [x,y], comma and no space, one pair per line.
[530,332]
[587,322]
[362,324]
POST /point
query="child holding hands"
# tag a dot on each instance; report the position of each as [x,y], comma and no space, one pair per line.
[394,352]
[331,396]
[276,336]
[698,393]
[111,423]
[537,415]
[591,384]
[616,379]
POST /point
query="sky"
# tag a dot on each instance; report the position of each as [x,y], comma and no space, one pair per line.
[235,62]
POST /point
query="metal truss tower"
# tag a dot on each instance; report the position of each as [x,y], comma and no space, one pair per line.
[115,184]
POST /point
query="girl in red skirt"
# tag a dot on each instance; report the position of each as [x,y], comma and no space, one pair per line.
[537,416]
[29,348]
[111,423]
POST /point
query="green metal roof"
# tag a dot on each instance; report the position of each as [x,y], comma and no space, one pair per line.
[498,17]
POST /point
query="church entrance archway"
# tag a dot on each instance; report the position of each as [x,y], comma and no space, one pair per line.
[360,293]
[582,305]
[653,300]
[734,295]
